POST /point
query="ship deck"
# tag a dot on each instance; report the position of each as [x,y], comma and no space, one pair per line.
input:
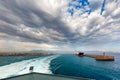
[40,76]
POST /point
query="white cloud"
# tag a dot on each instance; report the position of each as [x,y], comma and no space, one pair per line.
[42,33]
[46,23]
[8,45]
[86,25]
[52,7]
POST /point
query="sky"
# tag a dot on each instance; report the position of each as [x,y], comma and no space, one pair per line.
[66,25]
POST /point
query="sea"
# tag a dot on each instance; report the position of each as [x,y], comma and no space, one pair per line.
[62,64]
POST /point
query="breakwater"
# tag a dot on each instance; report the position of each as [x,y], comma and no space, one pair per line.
[101,57]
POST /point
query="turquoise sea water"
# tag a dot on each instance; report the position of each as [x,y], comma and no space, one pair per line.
[87,67]
[70,65]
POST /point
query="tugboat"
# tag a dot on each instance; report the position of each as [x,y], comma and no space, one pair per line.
[80,54]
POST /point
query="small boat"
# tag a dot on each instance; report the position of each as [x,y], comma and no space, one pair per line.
[80,54]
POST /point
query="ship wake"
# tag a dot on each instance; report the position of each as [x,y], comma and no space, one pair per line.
[41,65]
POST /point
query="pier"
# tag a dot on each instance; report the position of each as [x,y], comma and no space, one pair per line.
[101,57]
[97,57]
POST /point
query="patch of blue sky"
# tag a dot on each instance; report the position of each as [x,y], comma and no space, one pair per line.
[78,5]
[81,4]
[71,11]
[102,8]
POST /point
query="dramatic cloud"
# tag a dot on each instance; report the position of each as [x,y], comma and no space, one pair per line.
[59,24]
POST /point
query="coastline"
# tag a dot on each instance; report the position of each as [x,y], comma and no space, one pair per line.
[23,54]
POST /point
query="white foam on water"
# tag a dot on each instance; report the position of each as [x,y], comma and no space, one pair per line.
[41,65]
